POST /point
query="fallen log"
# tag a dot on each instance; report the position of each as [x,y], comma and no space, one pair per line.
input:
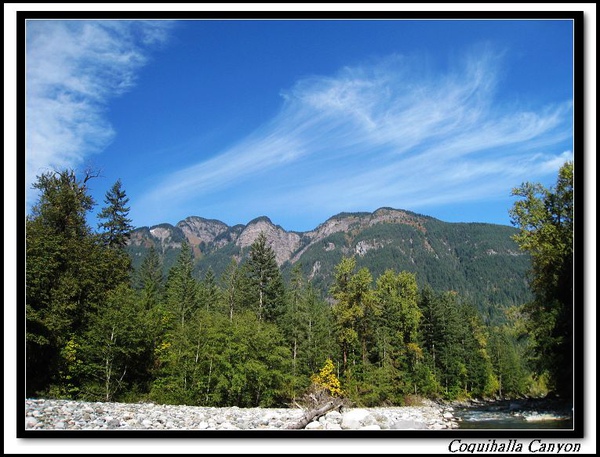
[315,414]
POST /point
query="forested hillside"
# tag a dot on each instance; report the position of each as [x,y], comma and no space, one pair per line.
[480,261]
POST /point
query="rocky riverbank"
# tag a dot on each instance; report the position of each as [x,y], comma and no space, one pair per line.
[75,415]
[530,408]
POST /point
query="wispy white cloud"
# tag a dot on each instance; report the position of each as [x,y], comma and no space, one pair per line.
[73,68]
[384,134]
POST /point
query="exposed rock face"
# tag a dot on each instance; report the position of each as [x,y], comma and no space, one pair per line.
[348,223]
[288,246]
[283,243]
[197,229]
[166,236]
[364,246]
[205,235]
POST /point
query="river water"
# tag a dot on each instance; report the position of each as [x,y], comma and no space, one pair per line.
[514,415]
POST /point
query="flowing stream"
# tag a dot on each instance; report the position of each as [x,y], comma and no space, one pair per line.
[519,414]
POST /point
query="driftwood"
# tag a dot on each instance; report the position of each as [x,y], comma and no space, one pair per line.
[316,413]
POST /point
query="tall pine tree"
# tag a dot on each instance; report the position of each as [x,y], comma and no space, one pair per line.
[267,291]
[150,279]
[116,226]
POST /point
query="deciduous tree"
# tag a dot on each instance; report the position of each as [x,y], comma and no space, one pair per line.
[545,218]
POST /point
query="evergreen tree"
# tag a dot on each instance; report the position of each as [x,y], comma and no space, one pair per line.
[456,342]
[481,379]
[320,338]
[151,289]
[509,363]
[150,279]
[182,288]
[177,350]
[267,290]
[442,333]
[116,226]
[209,291]
[397,332]
[307,327]
[67,277]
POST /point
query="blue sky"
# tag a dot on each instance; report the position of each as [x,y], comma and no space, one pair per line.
[300,120]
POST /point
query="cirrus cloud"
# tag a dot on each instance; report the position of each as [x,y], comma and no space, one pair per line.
[73,69]
[388,133]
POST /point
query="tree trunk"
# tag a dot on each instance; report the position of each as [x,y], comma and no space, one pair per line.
[315,414]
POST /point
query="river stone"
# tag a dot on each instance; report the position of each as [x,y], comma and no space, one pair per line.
[334,417]
[314,426]
[371,427]
[54,414]
[330,426]
[113,423]
[356,418]
[30,422]
[226,426]
[407,425]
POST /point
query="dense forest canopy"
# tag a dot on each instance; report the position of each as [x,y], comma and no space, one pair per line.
[99,329]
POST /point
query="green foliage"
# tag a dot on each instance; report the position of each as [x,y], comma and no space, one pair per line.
[233,282]
[266,288]
[546,220]
[243,335]
[218,362]
[113,346]
[353,310]
[181,291]
[479,261]
[209,291]
[398,352]
[69,273]
[510,363]
[150,280]
[117,226]
[456,340]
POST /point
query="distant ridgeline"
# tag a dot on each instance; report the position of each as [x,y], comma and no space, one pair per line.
[479,261]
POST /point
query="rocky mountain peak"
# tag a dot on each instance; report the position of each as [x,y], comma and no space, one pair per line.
[198,229]
[396,216]
[212,234]
[284,243]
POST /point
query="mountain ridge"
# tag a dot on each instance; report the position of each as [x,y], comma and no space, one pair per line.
[197,229]
[479,260]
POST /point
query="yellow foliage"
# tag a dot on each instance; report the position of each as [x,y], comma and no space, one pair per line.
[70,351]
[162,348]
[327,379]
[415,350]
